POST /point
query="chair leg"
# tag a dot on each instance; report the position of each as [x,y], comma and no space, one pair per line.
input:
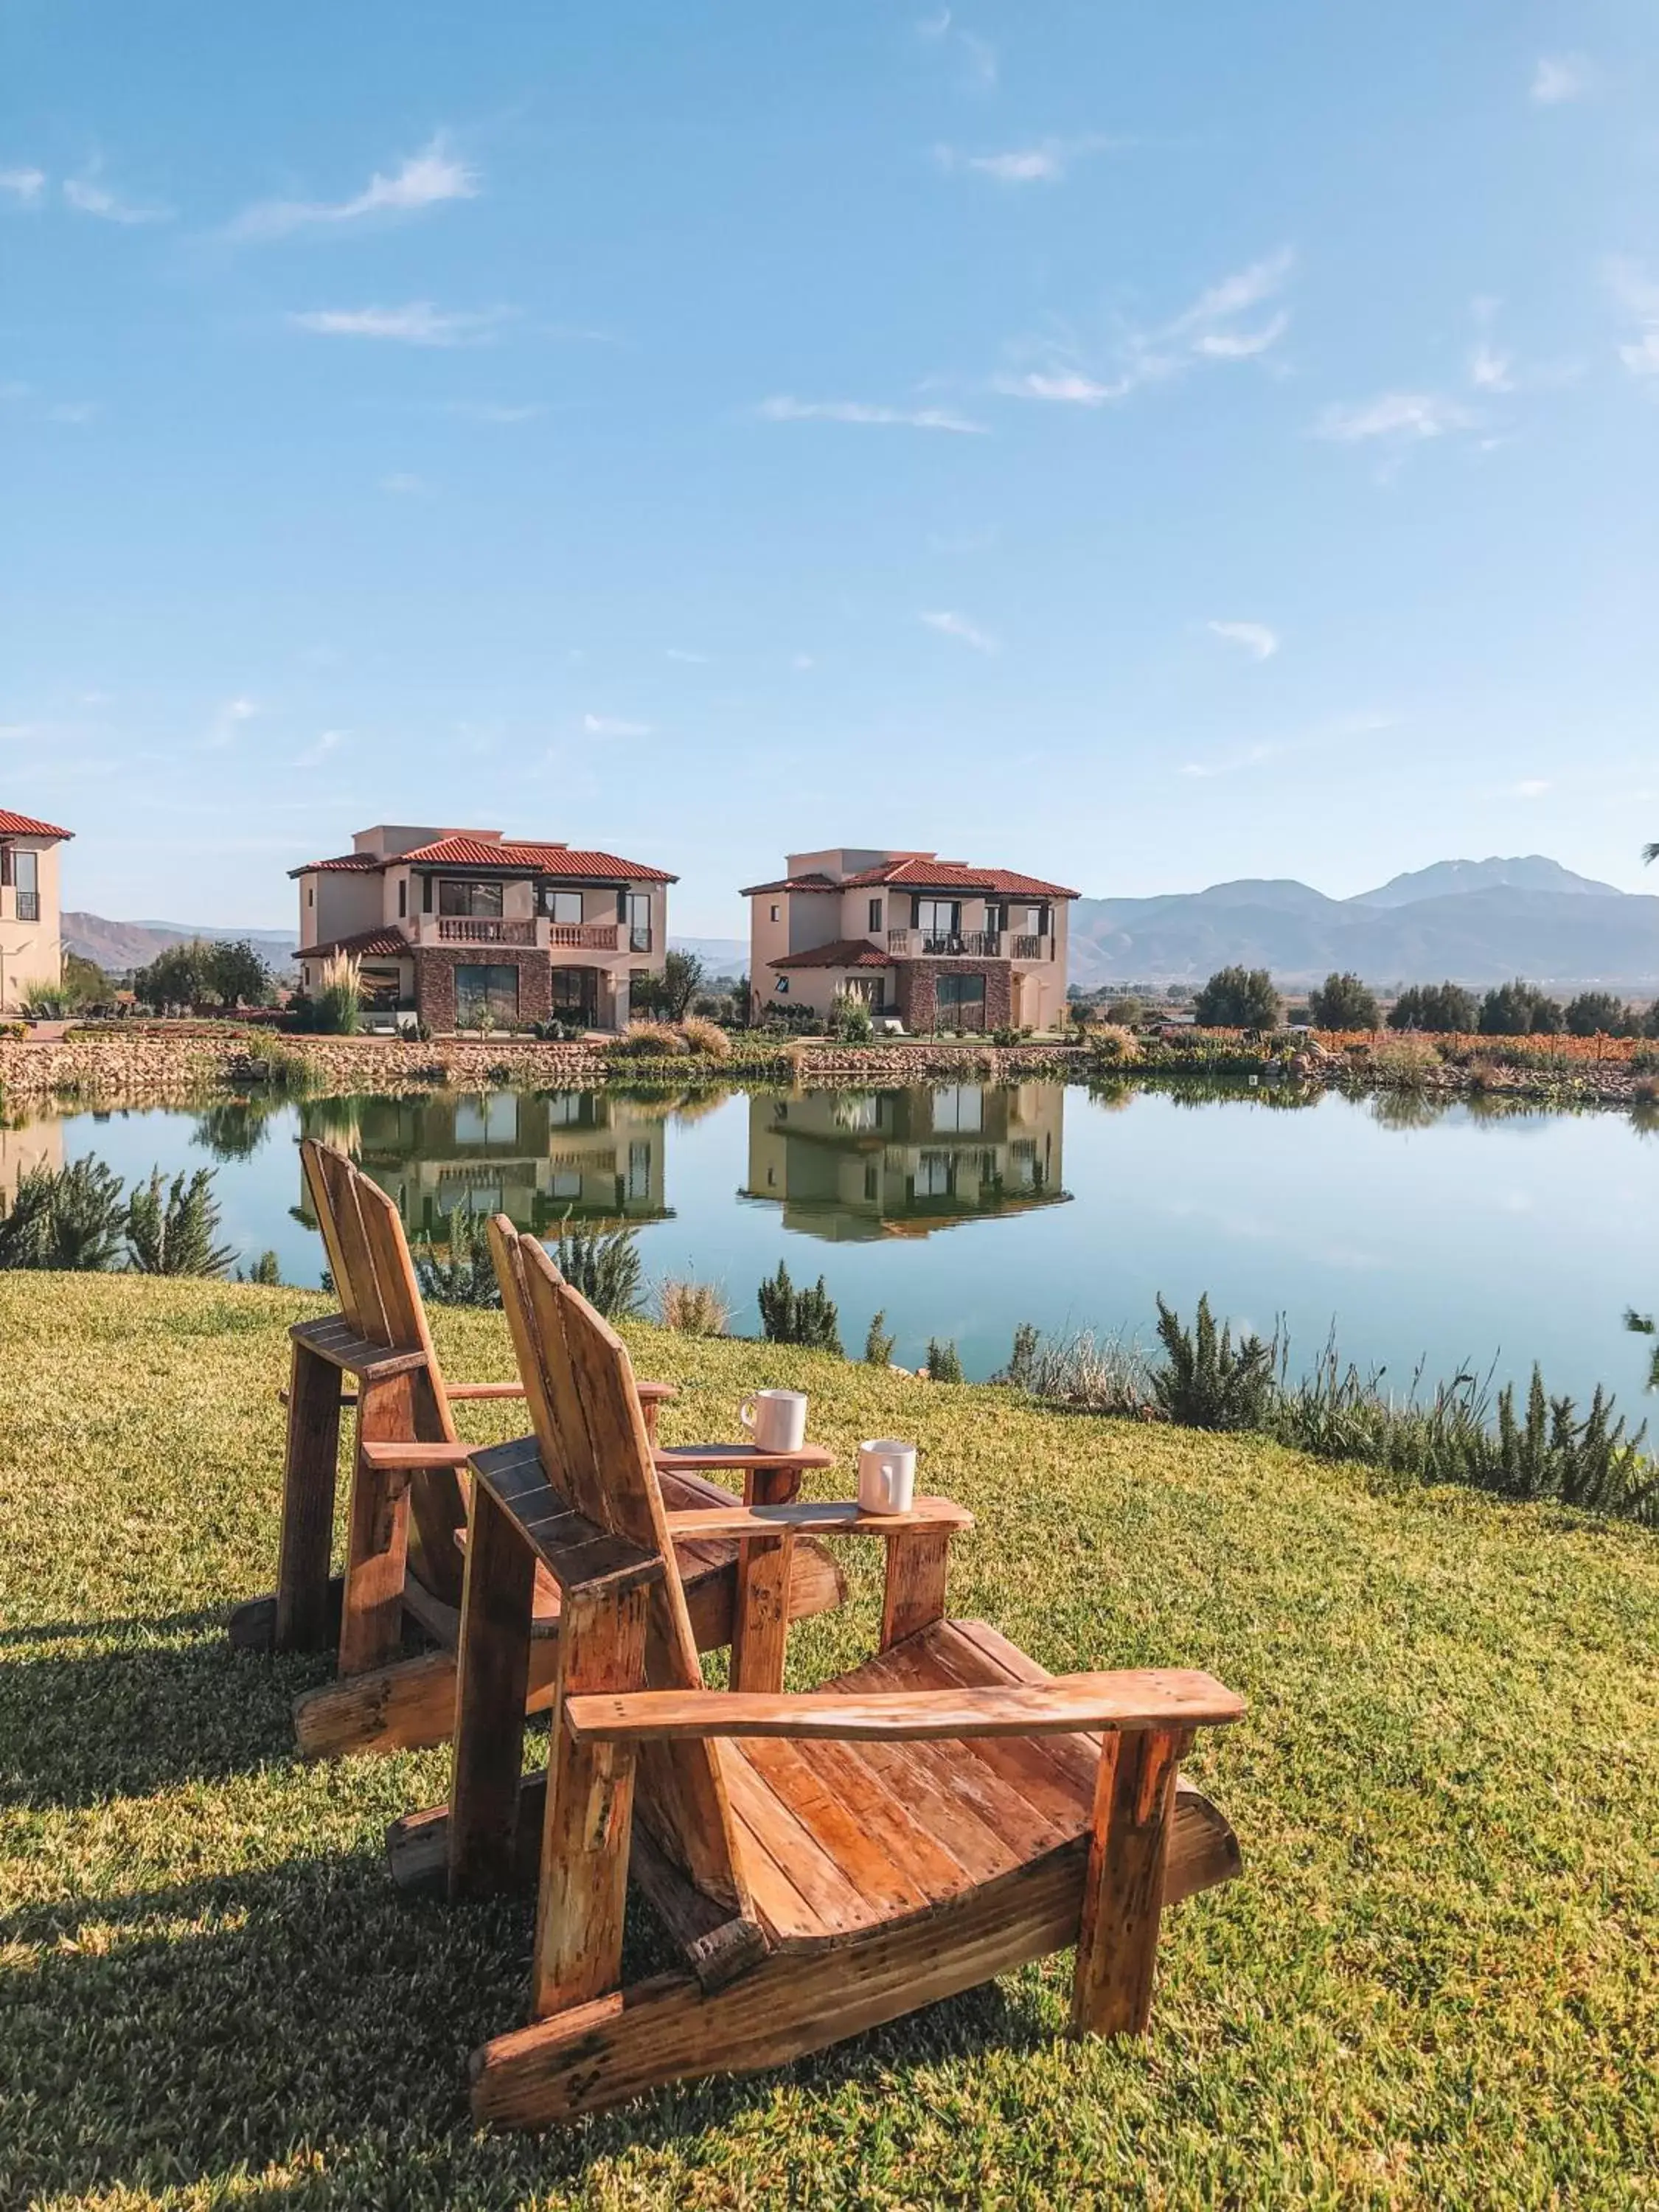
[492,1680]
[1124,1890]
[377,1536]
[590,1808]
[913,1597]
[309,1468]
[760,1619]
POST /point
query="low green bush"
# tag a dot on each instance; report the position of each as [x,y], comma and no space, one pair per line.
[793,1316]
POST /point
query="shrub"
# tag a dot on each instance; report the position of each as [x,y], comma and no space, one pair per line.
[1343,1002]
[1206,1382]
[340,1001]
[648,1040]
[1238,999]
[73,1218]
[171,1227]
[1443,1009]
[793,1316]
[461,1272]
[943,1361]
[46,1002]
[1089,1374]
[605,1266]
[1408,1059]
[693,1309]
[1519,1009]
[1126,1012]
[1113,1046]
[706,1037]
[878,1345]
[1600,1013]
[849,1019]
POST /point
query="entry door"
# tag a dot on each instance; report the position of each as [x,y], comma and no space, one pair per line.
[576,995]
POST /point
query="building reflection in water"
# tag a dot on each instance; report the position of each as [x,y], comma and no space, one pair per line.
[30,1144]
[536,1157]
[849,1165]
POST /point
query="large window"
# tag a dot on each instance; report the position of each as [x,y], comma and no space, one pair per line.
[563,907]
[576,995]
[961,1002]
[958,1107]
[468,898]
[939,917]
[27,865]
[639,921]
[875,916]
[484,992]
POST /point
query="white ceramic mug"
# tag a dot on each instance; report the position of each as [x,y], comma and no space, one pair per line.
[776,1419]
[887,1476]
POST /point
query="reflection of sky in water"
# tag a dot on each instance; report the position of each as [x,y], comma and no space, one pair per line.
[1470,1237]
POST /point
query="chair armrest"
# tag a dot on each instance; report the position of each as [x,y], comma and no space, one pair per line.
[814,1517]
[715,1459]
[656,1393]
[452,1391]
[394,1454]
[1128,1700]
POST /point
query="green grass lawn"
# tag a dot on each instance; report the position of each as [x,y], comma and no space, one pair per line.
[1437,1984]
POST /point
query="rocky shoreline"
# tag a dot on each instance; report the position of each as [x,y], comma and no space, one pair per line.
[190,1069]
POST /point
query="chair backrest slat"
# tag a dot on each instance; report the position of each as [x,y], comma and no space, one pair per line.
[579,1385]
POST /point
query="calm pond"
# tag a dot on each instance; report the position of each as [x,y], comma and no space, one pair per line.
[961,1211]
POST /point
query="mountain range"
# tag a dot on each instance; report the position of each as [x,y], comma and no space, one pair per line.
[1471,921]
[119,945]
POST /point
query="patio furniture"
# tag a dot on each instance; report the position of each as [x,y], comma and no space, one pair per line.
[407,1504]
[824,1861]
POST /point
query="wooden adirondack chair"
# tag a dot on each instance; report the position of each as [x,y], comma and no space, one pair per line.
[827,1861]
[407,1511]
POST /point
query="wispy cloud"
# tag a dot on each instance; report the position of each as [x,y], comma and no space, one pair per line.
[1557,78]
[405,486]
[976,55]
[1344,728]
[1490,369]
[612,726]
[1531,786]
[75,411]
[1045,163]
[25,186]
[784,409]
[424,180]
[1213,328]
[1401,418]
[87,197]
[229,719]
[959,627]
[691,660]
[1254,638]
[315,755]
[419,323]
[1637,293]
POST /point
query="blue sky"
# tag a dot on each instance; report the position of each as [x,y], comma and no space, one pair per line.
[1141,445]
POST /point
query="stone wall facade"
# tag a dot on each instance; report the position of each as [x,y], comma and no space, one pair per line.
[917,990]
[434,980]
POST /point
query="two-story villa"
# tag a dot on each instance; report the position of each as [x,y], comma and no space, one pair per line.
[31,944]
[938,944]
[461,925]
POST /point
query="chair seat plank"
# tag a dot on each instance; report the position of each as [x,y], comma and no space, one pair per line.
[797,1887]
[895,1817]
[855,1836]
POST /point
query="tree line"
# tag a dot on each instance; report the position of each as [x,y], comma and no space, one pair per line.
[1245,999]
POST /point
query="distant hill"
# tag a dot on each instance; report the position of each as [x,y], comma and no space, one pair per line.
[720,955]
[1475,921]
[119,946]
[1446,877]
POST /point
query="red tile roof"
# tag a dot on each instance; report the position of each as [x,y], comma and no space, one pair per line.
[808,883]
[352,860]
[20,825]
[464,850]
[923,875]
[371,944]
[845,952]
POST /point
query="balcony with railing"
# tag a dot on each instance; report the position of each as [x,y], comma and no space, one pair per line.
[968,945]
[525,931]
